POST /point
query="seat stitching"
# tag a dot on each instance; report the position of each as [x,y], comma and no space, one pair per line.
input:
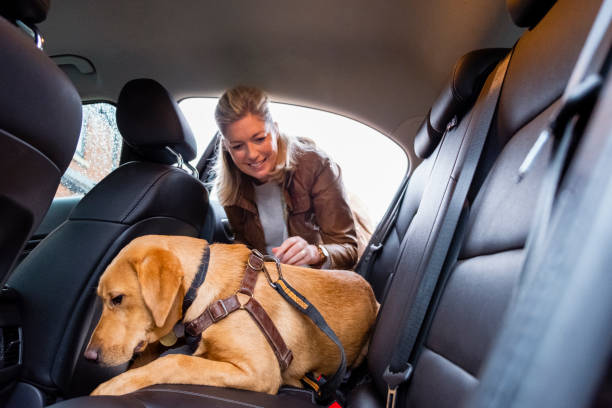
[245,404]
[450,362]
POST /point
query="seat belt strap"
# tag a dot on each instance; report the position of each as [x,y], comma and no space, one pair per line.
[399,369]
[326,390]
[380,235]
[578,99]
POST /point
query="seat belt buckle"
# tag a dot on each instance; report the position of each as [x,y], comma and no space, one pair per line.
[394,380]
[316,384]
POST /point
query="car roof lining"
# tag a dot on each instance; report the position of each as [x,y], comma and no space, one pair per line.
[380,63]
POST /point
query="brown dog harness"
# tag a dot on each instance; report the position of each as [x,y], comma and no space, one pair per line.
[221,308]
[325,388]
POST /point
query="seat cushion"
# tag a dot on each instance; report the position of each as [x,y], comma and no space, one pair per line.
[195,396]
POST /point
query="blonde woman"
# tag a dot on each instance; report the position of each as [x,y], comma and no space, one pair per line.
[282,195]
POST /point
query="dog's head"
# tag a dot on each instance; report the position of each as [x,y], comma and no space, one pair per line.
[141,291]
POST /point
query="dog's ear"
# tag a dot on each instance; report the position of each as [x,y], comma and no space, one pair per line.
[160,276]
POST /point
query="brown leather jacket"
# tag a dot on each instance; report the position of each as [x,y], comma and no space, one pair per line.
[317,210]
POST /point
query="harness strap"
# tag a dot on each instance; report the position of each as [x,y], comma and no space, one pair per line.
[219,309]
[325,390]
[282,352]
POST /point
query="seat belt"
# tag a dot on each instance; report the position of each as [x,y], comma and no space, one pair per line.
[399,369]
[562,130]
[376,243]
[364,266]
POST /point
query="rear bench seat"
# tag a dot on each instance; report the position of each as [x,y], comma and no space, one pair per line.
[439,154]
[480,282]
[476,291]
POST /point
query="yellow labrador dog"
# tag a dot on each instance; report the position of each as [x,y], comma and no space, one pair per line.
[143,288]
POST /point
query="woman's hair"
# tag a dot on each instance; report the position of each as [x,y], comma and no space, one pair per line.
[235,104]
[238,102]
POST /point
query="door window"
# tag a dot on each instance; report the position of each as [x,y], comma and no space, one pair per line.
[372,164]
[97,153]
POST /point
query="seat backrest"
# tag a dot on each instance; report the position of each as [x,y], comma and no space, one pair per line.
[453,103]
[477,286]
[138,198]
[40,119]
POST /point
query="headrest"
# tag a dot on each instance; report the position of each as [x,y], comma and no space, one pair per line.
[527,13]
[28,11]
[149,120]
[38,103]
[456,98]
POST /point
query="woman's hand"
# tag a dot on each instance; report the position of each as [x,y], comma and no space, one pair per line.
[296,251]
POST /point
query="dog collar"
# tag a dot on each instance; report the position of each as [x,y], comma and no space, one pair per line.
[178,331]
[197,280]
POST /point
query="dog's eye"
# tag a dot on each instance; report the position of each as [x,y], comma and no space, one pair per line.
[117,300]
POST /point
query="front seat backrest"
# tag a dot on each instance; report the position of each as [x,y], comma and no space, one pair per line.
[40,119]
[58,279]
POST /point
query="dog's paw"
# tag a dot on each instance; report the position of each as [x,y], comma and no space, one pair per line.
[114,386]
[103,389]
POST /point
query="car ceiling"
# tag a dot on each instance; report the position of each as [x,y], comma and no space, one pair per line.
[380,62]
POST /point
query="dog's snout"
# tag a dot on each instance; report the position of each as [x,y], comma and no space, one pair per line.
[92,354]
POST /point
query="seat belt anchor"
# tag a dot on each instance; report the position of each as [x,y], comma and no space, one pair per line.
[376,247]
[394,380]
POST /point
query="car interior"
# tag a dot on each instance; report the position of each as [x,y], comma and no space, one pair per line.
[491,263]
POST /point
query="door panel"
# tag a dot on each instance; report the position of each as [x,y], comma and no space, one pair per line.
[217,228]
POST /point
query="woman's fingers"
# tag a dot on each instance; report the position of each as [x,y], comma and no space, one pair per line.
[294,251]
[302,257]
[281,251]
[292,248]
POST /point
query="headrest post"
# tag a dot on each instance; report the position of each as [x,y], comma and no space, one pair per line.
[181,163]
[179,158]
[194,171]
[33,32]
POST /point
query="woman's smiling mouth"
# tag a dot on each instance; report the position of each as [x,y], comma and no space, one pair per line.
[257,165]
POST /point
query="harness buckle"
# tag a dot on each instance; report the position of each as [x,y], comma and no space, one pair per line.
[278,270]
[217,310]
[259,257]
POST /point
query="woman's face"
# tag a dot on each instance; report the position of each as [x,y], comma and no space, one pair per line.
[253,146]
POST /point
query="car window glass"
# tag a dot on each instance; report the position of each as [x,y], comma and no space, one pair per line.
[372,164]
[97,152]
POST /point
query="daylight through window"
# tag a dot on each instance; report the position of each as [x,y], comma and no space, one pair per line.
[372,164]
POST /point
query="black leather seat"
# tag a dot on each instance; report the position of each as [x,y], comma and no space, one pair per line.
[57,281]
[471,302]
[40,119]
[472,299]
